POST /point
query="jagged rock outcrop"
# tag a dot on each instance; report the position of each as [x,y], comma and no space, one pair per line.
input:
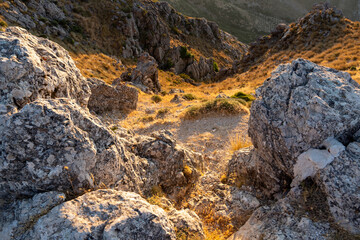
[18,217]
[105,98]
[33,68]
[57,145]
[288,117]
[104,214]
[145,76]
[131,28]
[304,125]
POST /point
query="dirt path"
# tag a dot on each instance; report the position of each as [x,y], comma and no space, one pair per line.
[209,136]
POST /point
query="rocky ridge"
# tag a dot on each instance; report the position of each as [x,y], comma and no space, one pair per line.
[135,27]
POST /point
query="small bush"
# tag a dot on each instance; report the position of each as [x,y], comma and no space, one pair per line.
[175,30]
[244,96]
[156,98]
[216,67]
[168,64]
[185,77]
[162,112]
[189,97]
[187,172]
[147,119]
[238,142]
[184,53]
[352,68]
[222,106]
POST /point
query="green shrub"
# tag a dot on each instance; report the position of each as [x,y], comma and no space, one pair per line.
[189,97]
[185,76]
[352,68]
[168,64]
[244,96]
[175,30]
[222,106]
[156,98]
[162,112]
[216,67]
[184,53]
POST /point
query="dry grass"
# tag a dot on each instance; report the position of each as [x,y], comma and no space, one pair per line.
[339,50]
[99,65]
[238,141]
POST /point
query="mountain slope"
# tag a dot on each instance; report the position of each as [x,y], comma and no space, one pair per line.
[125,29]
[323,36]
[248,20]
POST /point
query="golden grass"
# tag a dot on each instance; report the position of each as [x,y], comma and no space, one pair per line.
[99,66]
[339,50]
[238,141]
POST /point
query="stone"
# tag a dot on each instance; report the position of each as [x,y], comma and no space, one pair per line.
[33,68]
[221,202]
[177,99]
[107,98]
[287,118]
[222,95]
[187,223]
[104,214]
[340,181]
[145,75]
[311,161]
[179,167]
[281,221]
[20,216]
[55,145]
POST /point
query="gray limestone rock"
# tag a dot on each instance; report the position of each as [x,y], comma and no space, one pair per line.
[32,68]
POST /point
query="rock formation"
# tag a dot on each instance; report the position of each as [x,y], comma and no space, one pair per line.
[131,28]
[33,68]
[107,98]
[144,76]
[288,117]
[304,125]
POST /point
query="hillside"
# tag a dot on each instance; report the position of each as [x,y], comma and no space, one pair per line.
[125,119]
[248,20]
[125,29]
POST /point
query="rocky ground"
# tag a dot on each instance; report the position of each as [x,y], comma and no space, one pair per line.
[82,179]
[154,155]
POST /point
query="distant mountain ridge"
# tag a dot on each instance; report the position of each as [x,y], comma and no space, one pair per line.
[250,19]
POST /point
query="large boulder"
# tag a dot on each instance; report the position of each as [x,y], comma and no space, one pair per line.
[145,75]
[32,68]
[179,168]
[301,106]
[105,98]
[57,145]
[104,214]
